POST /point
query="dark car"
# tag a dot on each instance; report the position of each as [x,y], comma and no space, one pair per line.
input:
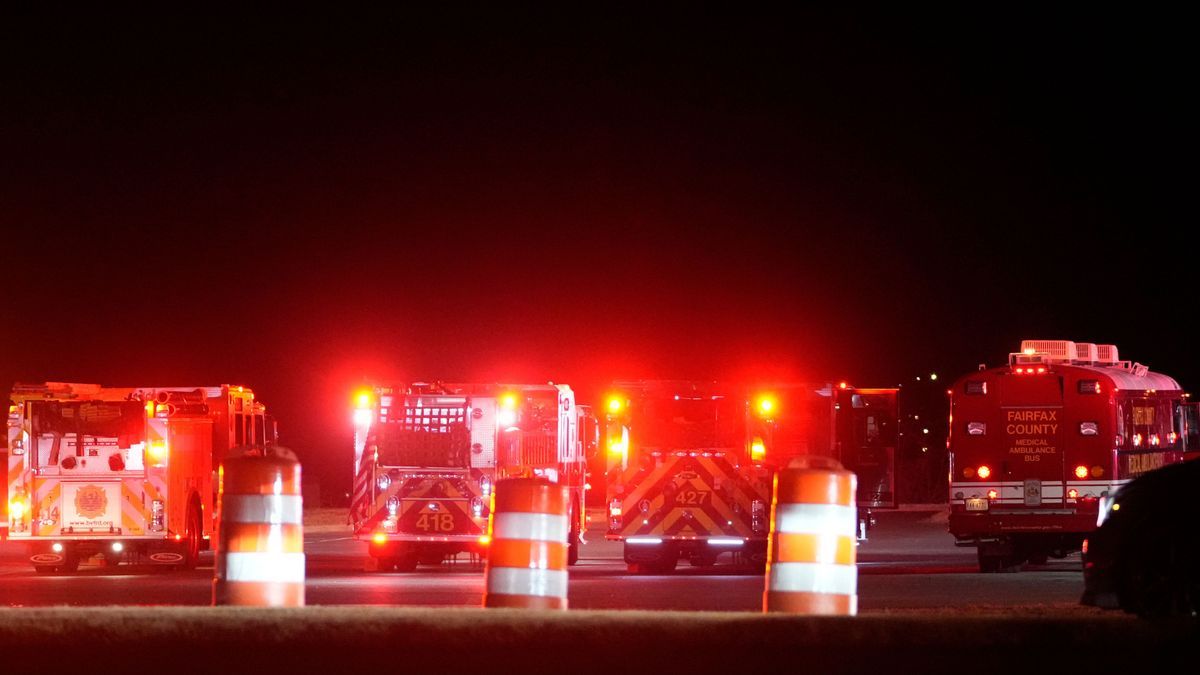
[1145,556]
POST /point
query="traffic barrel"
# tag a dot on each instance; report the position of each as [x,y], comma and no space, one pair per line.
[260,549]
[527,552]
[811,551]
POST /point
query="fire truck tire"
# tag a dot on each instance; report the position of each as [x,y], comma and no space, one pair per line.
[573,536]
[405,563]
[995,562]
[70,564]
[663,564]
[45,569]
[754,558]
[191,539]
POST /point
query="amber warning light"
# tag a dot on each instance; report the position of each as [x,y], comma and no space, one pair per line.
[615,404]
[766,405]
[362,408]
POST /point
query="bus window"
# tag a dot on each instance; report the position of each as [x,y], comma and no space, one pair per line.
[1189,426]
[1122,437]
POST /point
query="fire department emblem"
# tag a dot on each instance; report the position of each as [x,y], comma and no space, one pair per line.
[91,501]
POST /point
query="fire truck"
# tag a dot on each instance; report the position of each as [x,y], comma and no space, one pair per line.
[1037,444]
[126,474]
[691,464]
[427,456]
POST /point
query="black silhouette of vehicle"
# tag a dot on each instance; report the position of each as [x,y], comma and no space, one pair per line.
[1145,556]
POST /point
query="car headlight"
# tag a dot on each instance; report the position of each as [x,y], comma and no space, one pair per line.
[1106,506]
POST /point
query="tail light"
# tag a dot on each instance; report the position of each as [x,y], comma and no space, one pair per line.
[158,516]
[16,509]
[993,494]
[1081,472]
[765,406]
[758,515]
[615,404]
[157,453]
[983,472]
[1072,494]
[614,514]
[758,451]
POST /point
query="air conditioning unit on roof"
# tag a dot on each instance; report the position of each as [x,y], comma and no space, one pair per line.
[1085,352]
[1051,351]
[1107,355]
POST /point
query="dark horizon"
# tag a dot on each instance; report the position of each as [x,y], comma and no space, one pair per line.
[303,204]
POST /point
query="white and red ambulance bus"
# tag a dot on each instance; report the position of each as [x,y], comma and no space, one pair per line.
[1037,443]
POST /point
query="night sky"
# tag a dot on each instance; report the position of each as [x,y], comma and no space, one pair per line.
[304,204]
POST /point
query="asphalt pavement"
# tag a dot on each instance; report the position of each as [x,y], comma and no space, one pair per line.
[908,564]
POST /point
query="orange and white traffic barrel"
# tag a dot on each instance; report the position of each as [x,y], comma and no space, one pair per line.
[527,554]
[260,543]
[811,555]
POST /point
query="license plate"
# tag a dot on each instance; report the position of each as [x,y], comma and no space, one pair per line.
[977,504]
[1033,492]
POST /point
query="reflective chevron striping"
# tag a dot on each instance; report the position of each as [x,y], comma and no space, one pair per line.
[133,513]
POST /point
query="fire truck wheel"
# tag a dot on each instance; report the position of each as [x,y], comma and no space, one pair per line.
[989,563]
[706,560]
[191,552]
[663,565]
[573,537]
[406,562]
[70,564]
[44,569]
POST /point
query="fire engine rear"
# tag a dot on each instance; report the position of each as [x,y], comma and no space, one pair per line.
[427,456]
[1038,444]
[123,473]
[690,465]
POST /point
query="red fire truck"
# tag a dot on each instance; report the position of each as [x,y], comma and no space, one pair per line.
[690,464]
[1036,444]
[427,456]
[128,474]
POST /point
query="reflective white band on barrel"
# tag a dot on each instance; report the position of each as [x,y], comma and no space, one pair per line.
[273,509]
[813,578]
[535,526]
[519,581]
[816,519]
[265,567]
